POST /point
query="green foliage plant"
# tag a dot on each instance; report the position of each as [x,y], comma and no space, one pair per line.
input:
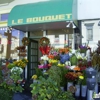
[55,74]
[63,78]
[85,77]
[48,89]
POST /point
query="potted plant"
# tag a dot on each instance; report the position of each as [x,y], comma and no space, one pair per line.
[48,89]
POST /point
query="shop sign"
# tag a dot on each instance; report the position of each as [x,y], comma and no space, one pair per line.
[51,18]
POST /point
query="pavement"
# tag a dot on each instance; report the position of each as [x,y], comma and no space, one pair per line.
[22,96]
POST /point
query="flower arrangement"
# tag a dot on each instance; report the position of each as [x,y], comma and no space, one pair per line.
[80,77]
[53,62]
[64,50]
[21,63]
[83,49]
[61,65]
[71,76]
[84,78]
[34,77]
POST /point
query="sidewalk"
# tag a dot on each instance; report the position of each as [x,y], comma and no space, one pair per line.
[22,96]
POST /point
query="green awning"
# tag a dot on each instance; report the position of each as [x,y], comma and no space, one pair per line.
[41,12]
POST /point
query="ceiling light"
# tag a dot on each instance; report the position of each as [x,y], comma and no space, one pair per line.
[73,25]
[68,25]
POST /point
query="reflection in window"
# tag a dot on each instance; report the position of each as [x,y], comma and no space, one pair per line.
[4,17]
[58,41]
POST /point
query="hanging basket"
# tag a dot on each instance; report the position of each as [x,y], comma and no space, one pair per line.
[25,41]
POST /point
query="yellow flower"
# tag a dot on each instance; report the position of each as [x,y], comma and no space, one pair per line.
[81,77]
[34,77]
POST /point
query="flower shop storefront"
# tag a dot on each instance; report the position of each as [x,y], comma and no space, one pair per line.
[55,68]
[53,19]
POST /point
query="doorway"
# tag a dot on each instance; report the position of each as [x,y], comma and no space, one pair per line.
[32,58]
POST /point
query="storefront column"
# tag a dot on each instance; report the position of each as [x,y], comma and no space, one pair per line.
[44,33]
[25,73]
[73,40]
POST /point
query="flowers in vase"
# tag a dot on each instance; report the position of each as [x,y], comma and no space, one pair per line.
[71,76]
[82,49]
[79,79]
[53,62]
[21,63]
[34,77]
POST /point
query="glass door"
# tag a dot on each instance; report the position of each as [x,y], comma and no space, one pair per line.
[32,57]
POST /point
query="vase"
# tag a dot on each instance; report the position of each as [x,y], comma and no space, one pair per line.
[77,92]
[62,88]
[83,90]
[69,84]
[83,54]
[96,88]
[35,81]
[90,95]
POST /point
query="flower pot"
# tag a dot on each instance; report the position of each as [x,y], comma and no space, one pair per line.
[62,88]
[69,84]
[83,90]
[77,92]
[35,81]
[96,88]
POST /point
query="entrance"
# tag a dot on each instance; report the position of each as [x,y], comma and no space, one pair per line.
[32,58]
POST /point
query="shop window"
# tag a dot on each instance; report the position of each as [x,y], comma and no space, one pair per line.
[4,17]
[89,31]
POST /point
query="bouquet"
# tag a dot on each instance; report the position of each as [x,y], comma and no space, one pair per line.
[83,49]
[71,76]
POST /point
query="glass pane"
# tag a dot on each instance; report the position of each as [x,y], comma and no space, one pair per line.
[4,17]
[89,34]
[57,41]
[34,45]
[33,58]
[33,52]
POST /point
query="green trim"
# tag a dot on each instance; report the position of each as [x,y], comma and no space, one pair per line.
[42,12]
[28,56]
[36,37]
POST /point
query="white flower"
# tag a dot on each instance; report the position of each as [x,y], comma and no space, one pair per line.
[68,63]
[44,57]
[72,67]
[15,69]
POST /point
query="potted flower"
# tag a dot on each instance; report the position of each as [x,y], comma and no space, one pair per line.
[71,77]
[83,49]
[34,77]
[78,83]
